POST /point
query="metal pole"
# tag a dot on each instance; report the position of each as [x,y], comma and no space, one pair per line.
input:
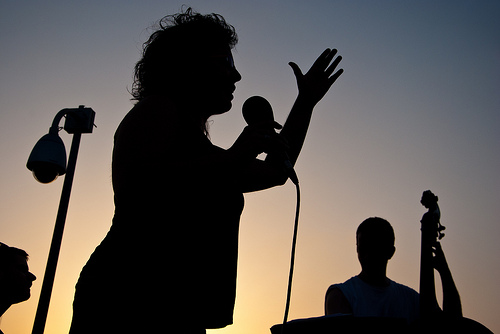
[50,269]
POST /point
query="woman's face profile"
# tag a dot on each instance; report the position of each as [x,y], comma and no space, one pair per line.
[213,82]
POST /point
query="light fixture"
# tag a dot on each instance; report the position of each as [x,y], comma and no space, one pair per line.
[47,161]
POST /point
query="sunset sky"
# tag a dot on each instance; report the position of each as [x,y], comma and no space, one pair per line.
[417,108]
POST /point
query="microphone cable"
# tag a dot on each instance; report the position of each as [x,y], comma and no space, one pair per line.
[292,257]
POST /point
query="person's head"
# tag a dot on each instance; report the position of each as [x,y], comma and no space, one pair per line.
[189,58]
[375,241]
[15,277]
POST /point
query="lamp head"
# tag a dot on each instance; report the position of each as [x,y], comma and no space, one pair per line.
[48,158]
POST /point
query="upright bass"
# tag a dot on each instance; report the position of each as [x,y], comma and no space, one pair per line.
[432,318]
[432,231]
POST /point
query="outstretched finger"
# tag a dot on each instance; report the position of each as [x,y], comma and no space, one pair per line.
[335,76]
[320,61]
[324,59]
[333,66]
[330,56]
[296,70]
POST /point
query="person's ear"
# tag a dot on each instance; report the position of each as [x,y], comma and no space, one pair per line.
[391,252]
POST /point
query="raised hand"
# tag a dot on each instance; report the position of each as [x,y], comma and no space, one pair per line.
[317,81]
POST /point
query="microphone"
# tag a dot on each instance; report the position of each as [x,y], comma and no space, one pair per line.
[257,109]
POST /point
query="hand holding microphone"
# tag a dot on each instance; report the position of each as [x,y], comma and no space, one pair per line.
[258,113]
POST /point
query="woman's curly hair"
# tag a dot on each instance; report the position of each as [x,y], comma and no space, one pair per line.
[177,41]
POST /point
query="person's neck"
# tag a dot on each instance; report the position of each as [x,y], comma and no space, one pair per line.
[194,114]
[374,276]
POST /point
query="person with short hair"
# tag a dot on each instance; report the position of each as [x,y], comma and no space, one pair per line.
[371,293]
[15,278]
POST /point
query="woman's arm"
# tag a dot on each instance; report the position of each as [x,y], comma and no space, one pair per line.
[312,88]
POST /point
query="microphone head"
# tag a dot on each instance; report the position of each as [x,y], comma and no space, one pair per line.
[257,109]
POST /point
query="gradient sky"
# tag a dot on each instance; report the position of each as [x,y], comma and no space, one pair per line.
[417,108]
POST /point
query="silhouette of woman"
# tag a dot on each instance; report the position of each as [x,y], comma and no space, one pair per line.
[169,259]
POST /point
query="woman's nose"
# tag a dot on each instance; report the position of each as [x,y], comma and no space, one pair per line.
[236,75]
